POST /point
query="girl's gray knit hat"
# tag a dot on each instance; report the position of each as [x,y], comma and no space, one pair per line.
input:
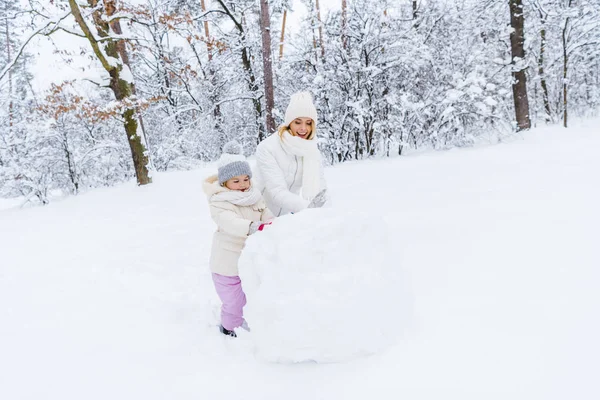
[232,162]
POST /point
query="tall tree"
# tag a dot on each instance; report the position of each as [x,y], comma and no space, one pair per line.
[265,28]
[16,78]
[580,51]
[7,10]
[253,85]
[211,71]
[282,39]
[565,32]
[517,45]
[112,54]
[312,12]
[344,24]
[207,32]
[320,22]
[544,85]
[16,96]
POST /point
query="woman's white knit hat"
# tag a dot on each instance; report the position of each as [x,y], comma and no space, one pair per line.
[232,162]
[301,106]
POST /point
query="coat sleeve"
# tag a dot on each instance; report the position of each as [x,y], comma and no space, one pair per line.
[229,221]
[266,215]
[274,182]
[324,186]
[322,175]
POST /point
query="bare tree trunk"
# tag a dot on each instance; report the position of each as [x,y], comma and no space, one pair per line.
[207,33]
[344,24]
[70,162]
[10,78]
[253,89]
[312,29]
[517,39]
[122,51]
[541,67]
[211,72]
[565,69]
[320,30]
[122,88]
[265,25]
[161,69]
[281,41]
[414,9]
[247,64]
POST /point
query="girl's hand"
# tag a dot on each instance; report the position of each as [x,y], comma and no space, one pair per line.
[257,226]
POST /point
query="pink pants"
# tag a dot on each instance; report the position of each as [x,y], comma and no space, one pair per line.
[229,289]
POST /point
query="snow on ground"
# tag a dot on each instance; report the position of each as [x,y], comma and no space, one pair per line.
[108,294]
[6,204]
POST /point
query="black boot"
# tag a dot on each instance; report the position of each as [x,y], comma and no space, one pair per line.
[227,332]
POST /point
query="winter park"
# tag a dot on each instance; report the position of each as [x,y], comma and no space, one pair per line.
[298,199]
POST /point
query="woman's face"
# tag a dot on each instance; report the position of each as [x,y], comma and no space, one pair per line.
[301,127]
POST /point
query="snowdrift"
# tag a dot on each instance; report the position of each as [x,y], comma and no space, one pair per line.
[324,286]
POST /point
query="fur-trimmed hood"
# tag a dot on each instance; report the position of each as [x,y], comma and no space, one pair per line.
[211,186]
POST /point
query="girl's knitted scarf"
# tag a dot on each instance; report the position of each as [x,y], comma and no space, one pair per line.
[248,198]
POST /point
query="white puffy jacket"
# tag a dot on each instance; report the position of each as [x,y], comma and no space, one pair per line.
[279,177]
[233,223]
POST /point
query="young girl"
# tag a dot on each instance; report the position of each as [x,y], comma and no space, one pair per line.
[239,211]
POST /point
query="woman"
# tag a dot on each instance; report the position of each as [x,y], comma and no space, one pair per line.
[290,169]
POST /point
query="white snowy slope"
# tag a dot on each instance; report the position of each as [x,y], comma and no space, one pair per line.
[107,295]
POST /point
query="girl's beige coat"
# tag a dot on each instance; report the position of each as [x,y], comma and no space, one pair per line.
[233,224]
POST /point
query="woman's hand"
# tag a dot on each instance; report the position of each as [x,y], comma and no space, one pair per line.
[319,200]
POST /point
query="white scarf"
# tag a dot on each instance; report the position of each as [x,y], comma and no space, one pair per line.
[311,157]
[249,198]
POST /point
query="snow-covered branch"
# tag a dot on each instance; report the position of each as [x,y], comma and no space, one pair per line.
[49,25]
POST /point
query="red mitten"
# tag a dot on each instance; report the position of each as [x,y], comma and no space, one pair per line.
[262,226]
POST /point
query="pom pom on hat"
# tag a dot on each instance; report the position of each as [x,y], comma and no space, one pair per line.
[232,162]
[232,151]
[233,147]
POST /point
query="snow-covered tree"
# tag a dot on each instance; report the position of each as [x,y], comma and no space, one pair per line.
[387,77]
[16,100]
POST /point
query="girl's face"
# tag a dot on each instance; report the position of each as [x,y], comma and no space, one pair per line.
[301,127]
[240,182]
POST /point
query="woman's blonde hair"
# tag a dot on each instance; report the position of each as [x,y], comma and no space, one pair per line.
[283,128]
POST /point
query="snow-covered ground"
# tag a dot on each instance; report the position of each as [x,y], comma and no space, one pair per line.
[108,295]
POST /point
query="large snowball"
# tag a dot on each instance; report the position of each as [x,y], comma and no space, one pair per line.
[322,285]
